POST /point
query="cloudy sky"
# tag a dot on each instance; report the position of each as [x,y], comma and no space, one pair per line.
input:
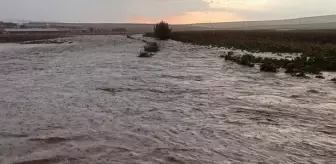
[173,11]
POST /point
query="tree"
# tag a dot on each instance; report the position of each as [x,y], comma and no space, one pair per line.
[8,24]
[119,29]
[162,31]
[23,26]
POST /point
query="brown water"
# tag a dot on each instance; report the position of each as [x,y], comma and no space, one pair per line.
[96,102]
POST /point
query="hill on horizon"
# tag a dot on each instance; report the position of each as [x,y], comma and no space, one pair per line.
[316,22]
[304,23]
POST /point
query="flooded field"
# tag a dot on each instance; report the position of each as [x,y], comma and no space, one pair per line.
[95,102]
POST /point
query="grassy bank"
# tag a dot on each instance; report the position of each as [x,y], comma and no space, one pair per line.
[311,43]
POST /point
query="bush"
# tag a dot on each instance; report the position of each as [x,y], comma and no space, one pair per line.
[230,53]
[23,26]
[162,31]
[268,66]
[290,68]
[246,60]
[119,30]
[151,47]
[8,24]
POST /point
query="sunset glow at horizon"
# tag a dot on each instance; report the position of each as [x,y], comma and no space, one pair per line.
[192,17]
[151,11]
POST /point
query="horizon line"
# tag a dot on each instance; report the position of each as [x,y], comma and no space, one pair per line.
[65,22]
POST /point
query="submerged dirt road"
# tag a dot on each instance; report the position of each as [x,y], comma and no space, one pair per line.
[95,102]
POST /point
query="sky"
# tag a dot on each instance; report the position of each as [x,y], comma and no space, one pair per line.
[152,11]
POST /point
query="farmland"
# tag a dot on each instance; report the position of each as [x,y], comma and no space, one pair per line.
[316,42]
[13,38]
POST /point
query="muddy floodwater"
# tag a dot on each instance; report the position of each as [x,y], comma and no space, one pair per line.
[95,102]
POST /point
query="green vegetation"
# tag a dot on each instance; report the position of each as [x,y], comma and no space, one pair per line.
[149,49]
[119,30]
[91,29]
[162,31]
[296,67]
[310,42]
[268,66]
[8,24]
[245,60]
[22,26]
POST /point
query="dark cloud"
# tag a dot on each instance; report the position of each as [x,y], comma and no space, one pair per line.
[95,10]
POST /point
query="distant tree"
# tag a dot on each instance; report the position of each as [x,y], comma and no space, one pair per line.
[119,30]
[162,31]
[8,24]
[91,29]
[23,26]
